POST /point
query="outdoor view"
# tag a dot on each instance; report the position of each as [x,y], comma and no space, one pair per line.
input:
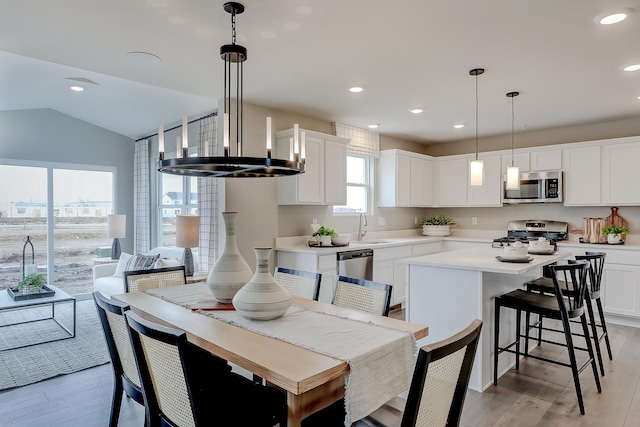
[82,199]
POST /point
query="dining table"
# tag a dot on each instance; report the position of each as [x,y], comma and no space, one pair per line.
[311,379]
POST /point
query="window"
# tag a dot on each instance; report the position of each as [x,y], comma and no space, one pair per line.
[178,196]
[359,188]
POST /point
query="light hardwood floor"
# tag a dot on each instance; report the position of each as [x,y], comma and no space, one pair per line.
[540,394]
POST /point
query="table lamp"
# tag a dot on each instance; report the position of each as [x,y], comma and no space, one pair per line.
[187,237]
[116,228]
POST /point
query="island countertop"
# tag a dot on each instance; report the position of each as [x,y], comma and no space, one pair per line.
[484,260]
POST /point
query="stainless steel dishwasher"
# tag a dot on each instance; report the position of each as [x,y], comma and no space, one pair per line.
[357,264]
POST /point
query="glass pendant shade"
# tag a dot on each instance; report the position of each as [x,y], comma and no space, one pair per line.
[513,178]
[476,173]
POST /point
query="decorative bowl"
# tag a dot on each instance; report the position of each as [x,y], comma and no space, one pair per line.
[341,240]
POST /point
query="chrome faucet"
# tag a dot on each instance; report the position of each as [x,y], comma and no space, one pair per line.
[363,223]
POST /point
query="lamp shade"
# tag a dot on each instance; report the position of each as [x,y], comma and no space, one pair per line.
[513,178]
[476,173]
[116,226]
[187,231]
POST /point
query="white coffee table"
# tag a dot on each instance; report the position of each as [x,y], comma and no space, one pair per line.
[60,297]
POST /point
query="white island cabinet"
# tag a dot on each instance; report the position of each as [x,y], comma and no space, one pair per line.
[448,290]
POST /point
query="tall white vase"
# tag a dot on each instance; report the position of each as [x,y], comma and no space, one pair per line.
[262,298]
[231,271]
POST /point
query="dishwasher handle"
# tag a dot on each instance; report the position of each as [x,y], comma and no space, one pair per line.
[362,253]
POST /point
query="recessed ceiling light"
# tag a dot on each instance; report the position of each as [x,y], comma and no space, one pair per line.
[356,89]
[458,126]
[613,17]
[417,110]
[373,126]
[634,67]
[77,88]
[143,58]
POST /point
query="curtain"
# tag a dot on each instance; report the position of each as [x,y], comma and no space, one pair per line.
[141,195]
[363,141]
[208,192]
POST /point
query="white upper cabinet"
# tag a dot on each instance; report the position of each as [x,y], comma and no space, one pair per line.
[545,160]
[582,175]
[489,194]
[404,179]
[621,173]
[452,180]
[324,181]
[521,160]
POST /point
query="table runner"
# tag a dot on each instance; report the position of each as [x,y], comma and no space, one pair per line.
[381,360]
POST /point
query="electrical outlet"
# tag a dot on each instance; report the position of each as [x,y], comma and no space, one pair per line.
[474,220]
[382,221]
[415,220]
[315,220]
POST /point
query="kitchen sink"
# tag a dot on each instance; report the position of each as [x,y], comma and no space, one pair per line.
[368,242]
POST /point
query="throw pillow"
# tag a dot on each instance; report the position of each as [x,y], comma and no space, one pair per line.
[167,262]
[141,262]
[122,264]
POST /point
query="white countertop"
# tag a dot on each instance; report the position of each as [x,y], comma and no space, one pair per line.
[484,259]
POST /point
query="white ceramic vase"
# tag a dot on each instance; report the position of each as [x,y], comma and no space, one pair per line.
[231,271]
[262,298]
[614,239]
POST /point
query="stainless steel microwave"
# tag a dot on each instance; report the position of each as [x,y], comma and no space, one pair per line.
[535,187]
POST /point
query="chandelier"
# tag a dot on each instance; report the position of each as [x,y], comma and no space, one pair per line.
[230,166]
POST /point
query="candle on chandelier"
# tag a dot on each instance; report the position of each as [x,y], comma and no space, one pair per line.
[225,119]
[178,146]
[185,140]
[161,141]
[302,146]
[296,146]
[291,149]
[269,137]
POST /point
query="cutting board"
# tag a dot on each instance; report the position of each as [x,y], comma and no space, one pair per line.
[617,220]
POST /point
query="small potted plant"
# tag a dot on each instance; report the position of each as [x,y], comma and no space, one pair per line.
[32,284]
[614,234]
[325,235]
[439,225]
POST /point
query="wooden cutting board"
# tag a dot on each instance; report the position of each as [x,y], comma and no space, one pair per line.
[617,220]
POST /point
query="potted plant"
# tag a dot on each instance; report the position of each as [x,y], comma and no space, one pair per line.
[31,283]
[439,225]
[324,235]
[614,234]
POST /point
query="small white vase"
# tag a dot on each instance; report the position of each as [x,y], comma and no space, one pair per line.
[262,298]
[614,239]
[231,271]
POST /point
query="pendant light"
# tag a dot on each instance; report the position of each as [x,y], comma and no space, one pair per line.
[229,166]
[513,172]
[476,172]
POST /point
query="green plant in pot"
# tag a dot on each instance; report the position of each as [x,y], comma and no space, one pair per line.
[324,235]
[614,234]
[32,283]
[439,225]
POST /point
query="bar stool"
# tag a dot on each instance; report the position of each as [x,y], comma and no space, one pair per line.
[566,304]
[545,285]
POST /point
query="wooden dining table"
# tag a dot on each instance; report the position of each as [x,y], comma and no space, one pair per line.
[311,380]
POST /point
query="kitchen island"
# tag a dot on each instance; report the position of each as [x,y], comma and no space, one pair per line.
[448,290]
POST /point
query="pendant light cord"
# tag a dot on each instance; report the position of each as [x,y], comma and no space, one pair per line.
[476,116]
[512,130]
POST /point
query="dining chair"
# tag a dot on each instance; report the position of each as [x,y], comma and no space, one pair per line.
[300,283]
[592,293]
[439,384]
[125,373]
[142,280]
[365,295]
[566,303]
[181,390]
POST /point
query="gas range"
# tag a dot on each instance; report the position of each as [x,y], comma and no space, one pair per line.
[528,230]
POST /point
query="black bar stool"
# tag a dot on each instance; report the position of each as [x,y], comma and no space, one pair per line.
[545,285]
[564,306]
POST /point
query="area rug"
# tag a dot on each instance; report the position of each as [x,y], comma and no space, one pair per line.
[28,365]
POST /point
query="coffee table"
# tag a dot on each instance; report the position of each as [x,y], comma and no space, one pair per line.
[60,297]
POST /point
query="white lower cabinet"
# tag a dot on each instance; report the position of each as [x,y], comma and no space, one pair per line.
[387,269]
[620,289]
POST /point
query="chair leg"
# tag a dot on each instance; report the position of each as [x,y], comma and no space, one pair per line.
[526,333]
[572,358]
[604,327]
[594,331]
[496,339]
[585,329]
[116,401]
[518,326]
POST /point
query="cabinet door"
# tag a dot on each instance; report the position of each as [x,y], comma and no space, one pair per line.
[383,272]
[399,291]
[311,182]
[620,289]
[403,183]
[546,160]
[453,182]
[519,159]
[489,193]
[335,173]
[621,174]
[582,176]
[420,182]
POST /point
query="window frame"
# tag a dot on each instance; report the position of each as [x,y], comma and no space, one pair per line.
[368,185]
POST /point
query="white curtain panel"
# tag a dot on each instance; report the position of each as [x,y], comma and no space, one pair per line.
[363,141]
[208,192]
[141,195]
